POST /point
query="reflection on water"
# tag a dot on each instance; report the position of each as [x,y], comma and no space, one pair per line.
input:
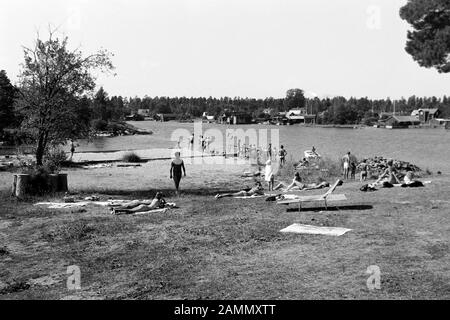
[428,148]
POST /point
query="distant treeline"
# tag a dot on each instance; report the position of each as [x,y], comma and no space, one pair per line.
[102,111]
[337,110]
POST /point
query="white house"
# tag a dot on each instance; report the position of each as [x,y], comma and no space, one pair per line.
[296,115]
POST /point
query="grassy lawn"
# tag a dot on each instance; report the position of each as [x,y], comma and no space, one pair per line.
[229,248]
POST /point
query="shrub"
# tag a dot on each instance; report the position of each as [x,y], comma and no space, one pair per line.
[100,125]
[54,158]
[131,157]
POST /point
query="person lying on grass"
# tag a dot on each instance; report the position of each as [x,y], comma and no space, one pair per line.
[255,191]
[142,205]
[297,183]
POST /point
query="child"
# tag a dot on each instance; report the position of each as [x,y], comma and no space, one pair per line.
[364,171]
[269,176]
[353,171]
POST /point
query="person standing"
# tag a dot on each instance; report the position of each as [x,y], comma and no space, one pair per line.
[364,170]
[269,175]
[72,148]
[346,165]
[282,154]
[269,151]
[176,169]
[191,141]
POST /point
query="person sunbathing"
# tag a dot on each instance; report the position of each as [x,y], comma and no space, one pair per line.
[255,191]
[303,163]
[297,183]
[388,177]
[141,205]
[409,181]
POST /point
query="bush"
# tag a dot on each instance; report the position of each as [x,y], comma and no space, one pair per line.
[100,125]
[53,160]
[131,157]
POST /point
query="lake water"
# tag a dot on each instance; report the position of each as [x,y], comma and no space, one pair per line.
[427,148]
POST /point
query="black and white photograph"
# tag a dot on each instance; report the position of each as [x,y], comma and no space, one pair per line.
[243,152]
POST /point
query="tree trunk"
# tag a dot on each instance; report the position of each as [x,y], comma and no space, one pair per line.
[40,150]
[21,185]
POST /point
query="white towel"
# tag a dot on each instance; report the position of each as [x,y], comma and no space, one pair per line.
[68,205]
[307,229]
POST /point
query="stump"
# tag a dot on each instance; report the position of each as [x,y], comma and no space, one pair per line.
[53,182]
[21,185]
[62,182]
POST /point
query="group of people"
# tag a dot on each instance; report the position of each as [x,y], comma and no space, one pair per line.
[258,189]
[204,142]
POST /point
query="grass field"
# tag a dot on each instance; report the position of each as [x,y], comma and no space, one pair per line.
[227,248]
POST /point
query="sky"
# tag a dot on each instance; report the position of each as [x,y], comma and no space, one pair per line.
[245,48]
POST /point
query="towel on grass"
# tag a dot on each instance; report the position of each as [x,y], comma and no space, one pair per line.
[69,205]
[307,229]
[250,197]
[152,211]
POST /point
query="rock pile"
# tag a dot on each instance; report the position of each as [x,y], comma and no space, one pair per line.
[380,164]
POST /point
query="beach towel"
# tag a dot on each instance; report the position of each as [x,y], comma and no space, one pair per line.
[250,197]
[277,197]
[152,211]
[69,205]
[62,205]
[307,229]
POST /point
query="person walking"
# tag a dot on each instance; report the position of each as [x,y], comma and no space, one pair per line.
[72,148]
[176,168]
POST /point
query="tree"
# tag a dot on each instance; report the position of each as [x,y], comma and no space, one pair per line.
[295,99]
[101,105]
[53,81]
[7,94]
[429,42]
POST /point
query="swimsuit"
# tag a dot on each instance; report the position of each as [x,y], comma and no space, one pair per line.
[176,170]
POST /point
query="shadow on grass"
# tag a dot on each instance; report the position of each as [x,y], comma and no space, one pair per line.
[359,207]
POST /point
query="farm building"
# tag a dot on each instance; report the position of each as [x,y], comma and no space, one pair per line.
[401,122]
[166,116]
[144,112]
[300,116]
[439,122]
[236,118]
[426,115]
